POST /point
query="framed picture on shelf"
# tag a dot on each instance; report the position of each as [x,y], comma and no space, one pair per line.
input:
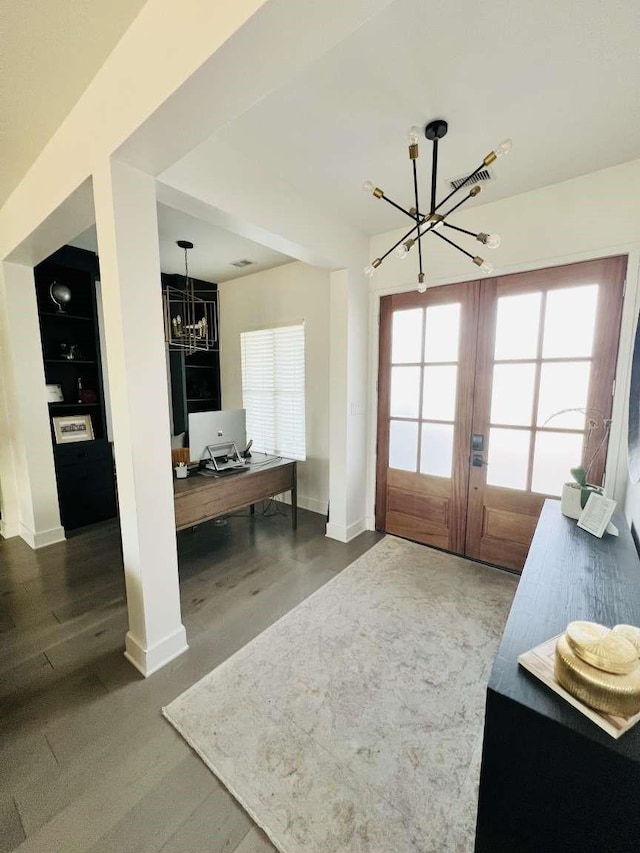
[68,428]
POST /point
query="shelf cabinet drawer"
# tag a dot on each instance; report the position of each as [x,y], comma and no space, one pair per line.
[82,451]
[86,488]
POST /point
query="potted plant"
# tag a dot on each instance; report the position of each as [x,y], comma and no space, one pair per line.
[576,494]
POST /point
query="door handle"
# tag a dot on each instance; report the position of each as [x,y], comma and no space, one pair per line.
[477,461]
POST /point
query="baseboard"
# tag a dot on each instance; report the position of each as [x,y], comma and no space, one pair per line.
[312,504]
[9,529]
[43,537]
[148,661]
[345,533]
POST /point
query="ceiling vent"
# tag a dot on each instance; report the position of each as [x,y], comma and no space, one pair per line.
[242,263]
[483,177]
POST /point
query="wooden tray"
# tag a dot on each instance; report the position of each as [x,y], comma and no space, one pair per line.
[539,662]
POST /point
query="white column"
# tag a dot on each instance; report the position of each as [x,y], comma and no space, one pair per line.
[347,404]
[126,220]
[27,472]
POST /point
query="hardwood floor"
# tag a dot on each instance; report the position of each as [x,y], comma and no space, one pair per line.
[87,762]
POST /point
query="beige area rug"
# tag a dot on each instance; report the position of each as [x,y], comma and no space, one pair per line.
[354,723]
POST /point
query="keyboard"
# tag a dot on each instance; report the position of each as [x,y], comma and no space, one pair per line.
[206,472]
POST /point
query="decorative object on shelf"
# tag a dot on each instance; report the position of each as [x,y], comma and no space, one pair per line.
[70,428]
[575,504]
[182,471]
[190,321]
[600,667]
[70,351]
[60,296]
[87,395]
[607,698]
[576,494]
[434,222]
[54,394]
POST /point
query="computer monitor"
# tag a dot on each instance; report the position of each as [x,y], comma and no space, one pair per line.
[215,428]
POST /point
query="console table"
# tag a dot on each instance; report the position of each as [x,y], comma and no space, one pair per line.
[198,499]
[551,780]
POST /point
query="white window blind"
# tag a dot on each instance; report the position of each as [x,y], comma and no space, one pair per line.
[273,390]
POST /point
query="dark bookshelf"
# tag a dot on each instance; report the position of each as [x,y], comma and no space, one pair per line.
[195,379]
[84,470]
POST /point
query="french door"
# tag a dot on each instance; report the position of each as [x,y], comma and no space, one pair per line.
[489,392]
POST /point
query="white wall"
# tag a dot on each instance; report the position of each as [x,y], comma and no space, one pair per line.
[596,215]
[277,297]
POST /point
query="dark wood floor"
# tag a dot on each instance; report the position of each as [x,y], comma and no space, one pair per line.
[87,762]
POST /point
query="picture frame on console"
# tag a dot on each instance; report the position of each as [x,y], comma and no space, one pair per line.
[71,428]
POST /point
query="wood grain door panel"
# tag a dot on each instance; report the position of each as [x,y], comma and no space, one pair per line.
[464,513]
[501,521]
[420,506]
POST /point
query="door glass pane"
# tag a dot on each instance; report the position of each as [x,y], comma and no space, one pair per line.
[403,445]
[563,385]
[569,322]
[406,336]
[512,395]
[436,451]
[442,334]
[555,454]
[517,326]
[439,393]
[508,458]
[405,392]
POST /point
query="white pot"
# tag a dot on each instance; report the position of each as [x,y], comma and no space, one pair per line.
[181,471]
[570,502]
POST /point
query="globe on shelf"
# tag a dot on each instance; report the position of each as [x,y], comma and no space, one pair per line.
[60,295]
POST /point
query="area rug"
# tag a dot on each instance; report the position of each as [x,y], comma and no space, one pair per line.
[354,723]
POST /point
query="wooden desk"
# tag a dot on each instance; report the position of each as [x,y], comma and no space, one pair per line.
[199,498]
[551,780]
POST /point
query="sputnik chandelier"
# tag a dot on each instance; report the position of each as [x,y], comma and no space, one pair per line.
[435,222]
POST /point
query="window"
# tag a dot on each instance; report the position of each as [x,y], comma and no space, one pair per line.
[273,389]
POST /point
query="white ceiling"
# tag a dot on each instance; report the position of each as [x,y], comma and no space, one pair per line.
[214,249]
[560,77]
[49,53]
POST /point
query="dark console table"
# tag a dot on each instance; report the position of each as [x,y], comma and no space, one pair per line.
[551,780]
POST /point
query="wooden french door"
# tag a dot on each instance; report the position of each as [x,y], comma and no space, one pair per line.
[489,392]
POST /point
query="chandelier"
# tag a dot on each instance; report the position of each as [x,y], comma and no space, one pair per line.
[190,319]
[435,222]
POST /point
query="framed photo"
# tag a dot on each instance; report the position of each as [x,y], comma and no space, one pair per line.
[68,428]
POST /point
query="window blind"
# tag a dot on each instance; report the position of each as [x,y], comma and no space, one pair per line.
[273,391]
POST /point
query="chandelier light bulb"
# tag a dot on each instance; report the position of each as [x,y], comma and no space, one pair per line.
[422,288]
[492,241]
[368,186]
[402,251]
[369,271]
[486,267]
[439,224]
[503,148]
[413,135]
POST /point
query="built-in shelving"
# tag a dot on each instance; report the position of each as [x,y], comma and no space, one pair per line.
[84,470]
[64,316]
[195,379]
[69,361]
[73,405]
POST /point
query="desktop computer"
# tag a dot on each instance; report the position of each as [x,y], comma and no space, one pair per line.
[214,428]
